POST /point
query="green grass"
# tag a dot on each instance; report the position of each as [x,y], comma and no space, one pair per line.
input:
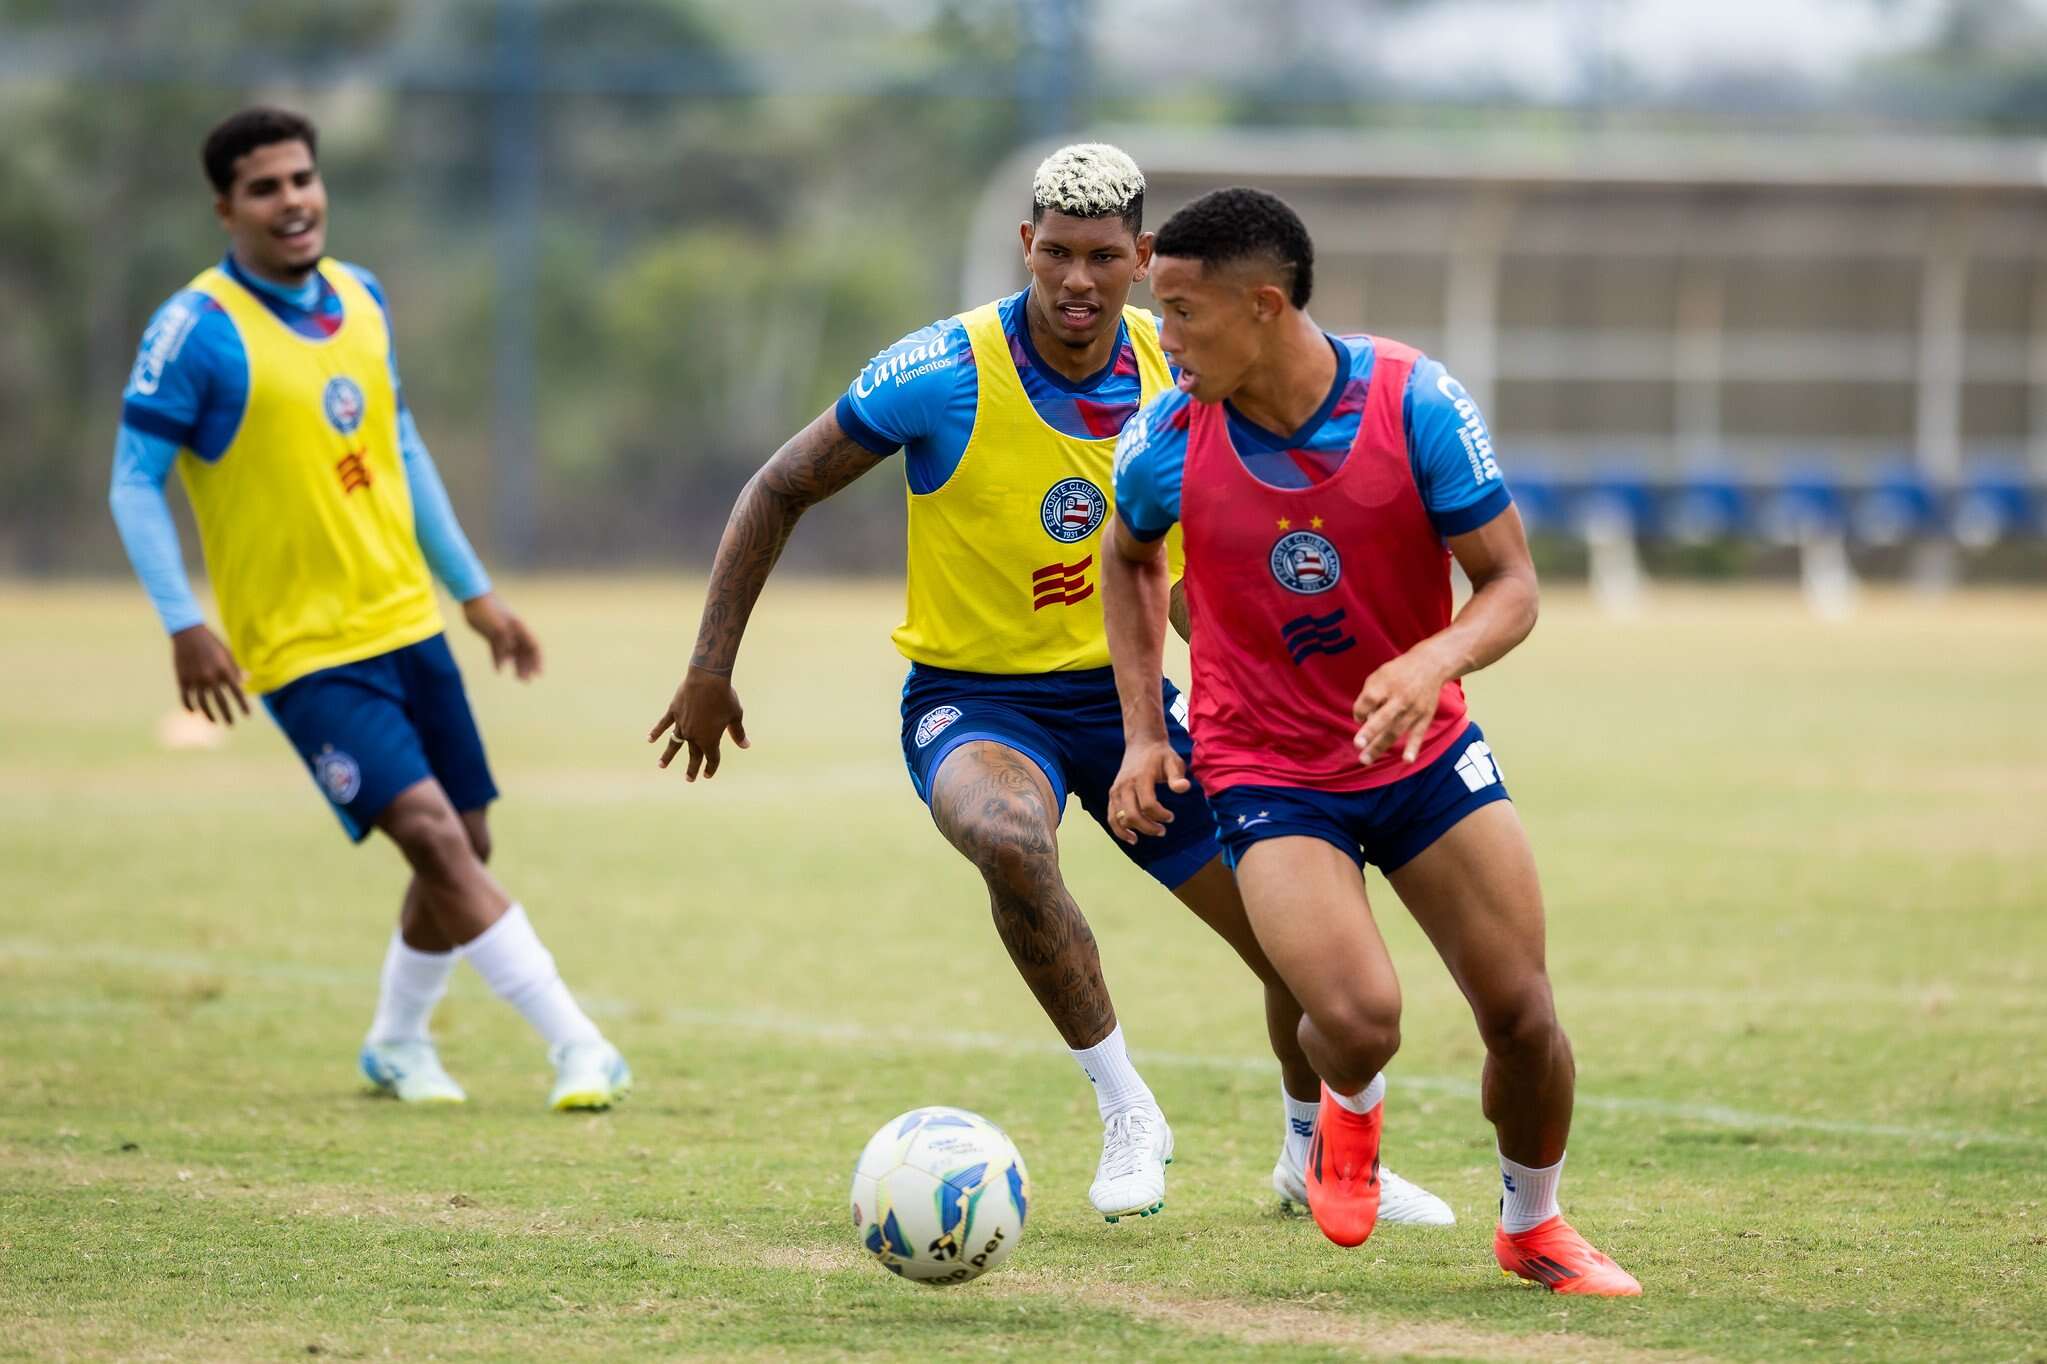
[1798,887]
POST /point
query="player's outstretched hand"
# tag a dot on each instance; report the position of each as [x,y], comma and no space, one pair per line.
[703,711]
[511,639]
[1397,703]
[1134,804]
[207,676]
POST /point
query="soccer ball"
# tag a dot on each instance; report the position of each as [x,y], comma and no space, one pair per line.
[940,1196]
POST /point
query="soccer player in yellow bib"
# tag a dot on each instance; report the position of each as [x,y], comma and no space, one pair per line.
[1008,415]
[271,385]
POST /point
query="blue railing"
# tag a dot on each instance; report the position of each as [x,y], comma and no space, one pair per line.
[1888,505]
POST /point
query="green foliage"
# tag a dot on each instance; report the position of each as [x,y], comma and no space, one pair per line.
[817,162]
[715,337]
[715,266]
[78,185]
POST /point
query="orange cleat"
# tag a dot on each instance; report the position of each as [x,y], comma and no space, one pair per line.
[1343,1171]
[1558,1258]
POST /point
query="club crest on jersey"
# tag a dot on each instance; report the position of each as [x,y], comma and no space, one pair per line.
[338,775]
[1306,563]
[1073,510]
[344,403]
[935,723]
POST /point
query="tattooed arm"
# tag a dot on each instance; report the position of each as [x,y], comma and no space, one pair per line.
[817,462]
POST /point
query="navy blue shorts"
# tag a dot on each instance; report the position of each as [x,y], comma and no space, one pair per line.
[368,730]
[1070,725]
[1387,826]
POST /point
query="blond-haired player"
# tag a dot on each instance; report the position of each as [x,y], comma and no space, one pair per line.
[1008,416]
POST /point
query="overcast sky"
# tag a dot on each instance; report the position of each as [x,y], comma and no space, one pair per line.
[1538,48]
[1541,45]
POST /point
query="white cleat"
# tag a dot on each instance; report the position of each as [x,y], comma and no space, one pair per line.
[1399,1200]
[588,1075]
[1137,1146]
[409,1072]
[1290,1182]
[1409,1203]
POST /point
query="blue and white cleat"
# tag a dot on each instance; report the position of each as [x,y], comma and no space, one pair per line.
[588,1076]
[410,1072]
[1137,1146]
[1400,1200]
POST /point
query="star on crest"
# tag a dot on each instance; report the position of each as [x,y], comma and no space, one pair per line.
[1285,524]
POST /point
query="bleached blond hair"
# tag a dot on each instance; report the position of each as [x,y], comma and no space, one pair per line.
[1089,180]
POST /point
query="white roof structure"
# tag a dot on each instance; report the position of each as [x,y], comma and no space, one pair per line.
[1662,299]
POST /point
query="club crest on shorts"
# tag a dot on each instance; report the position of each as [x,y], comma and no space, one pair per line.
[1073,510]
[337,774]
[1306,563]
[344,403]
[935,722]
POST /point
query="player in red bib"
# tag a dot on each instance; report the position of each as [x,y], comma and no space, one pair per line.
[1328,717]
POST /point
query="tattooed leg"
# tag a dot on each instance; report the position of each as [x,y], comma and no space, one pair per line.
[994,805]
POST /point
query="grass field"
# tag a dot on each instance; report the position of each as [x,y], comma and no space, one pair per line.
[1798,889]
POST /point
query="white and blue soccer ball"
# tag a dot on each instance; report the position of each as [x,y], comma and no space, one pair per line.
[940,1196]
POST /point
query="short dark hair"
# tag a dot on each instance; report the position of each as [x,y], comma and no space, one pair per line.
[241,133]
[1228,225]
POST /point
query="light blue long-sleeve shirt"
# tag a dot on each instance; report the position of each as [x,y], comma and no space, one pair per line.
[187,391]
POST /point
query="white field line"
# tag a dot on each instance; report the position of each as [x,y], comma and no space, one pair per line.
[860,1034]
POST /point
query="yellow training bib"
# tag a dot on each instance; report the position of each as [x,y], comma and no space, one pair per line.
[1005,556]
[306,519]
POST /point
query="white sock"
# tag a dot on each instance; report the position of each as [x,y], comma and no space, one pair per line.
[520,970]
[1117,1084]
[413,982]
[1530,1197]
[1366,1099]
[1300,1125]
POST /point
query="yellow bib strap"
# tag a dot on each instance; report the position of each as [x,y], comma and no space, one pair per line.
[994,368]
[306,517]
[1005,557]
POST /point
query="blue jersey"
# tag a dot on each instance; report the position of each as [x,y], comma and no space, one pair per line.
[920,395]
[1448,445]
[187,392]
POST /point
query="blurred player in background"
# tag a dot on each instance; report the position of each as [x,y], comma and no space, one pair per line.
[1008,415]
[271,383]
[1323,484]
